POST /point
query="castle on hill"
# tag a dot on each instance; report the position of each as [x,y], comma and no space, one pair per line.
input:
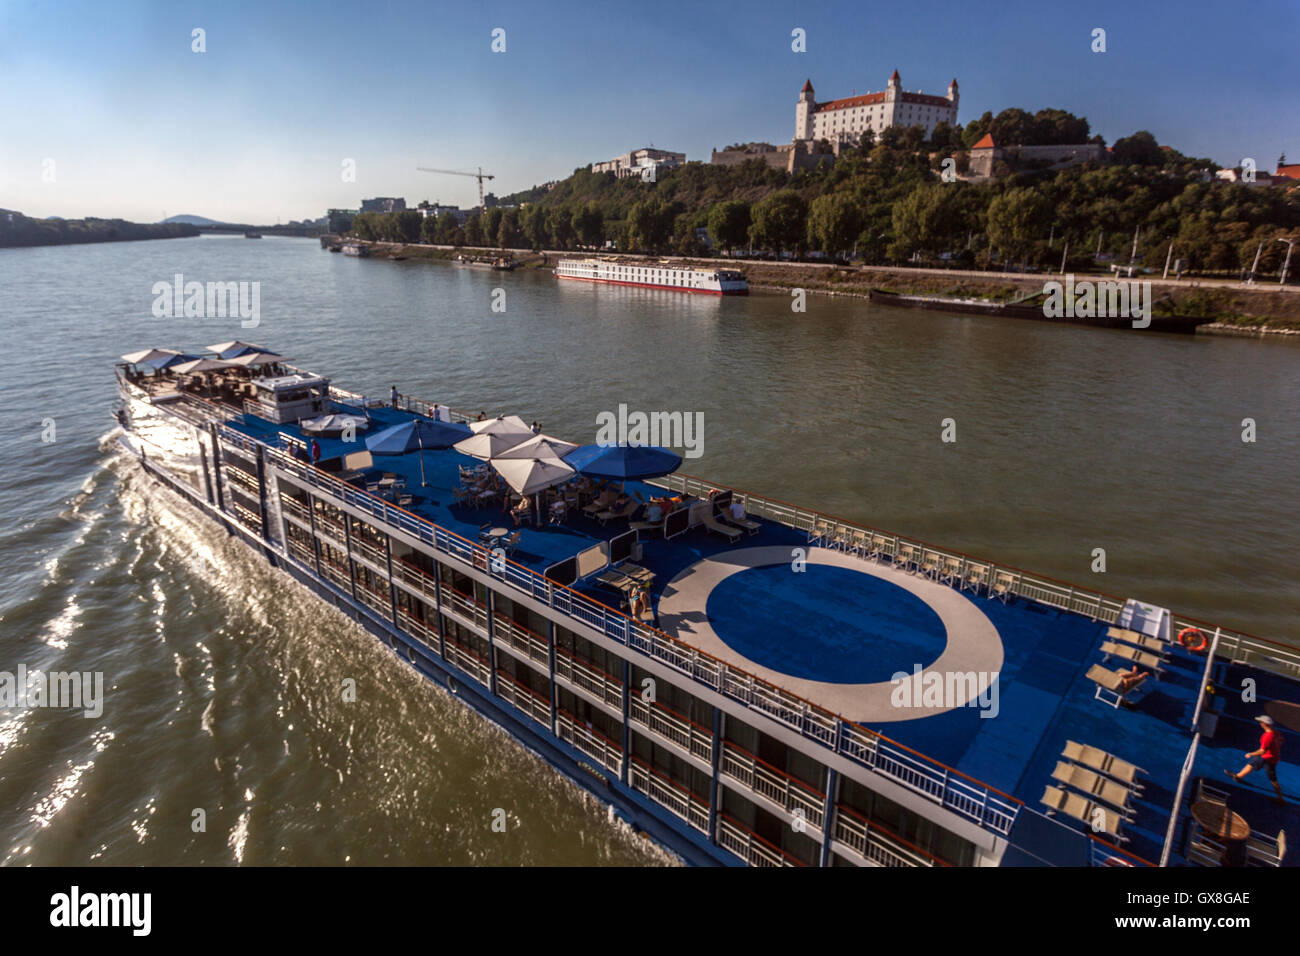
[844,120]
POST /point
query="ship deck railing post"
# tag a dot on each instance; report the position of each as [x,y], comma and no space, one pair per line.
[437,608]
[716,762]
[828,816]
[491,628]
[550,664]
[216,465]
[315,541]
[625,766]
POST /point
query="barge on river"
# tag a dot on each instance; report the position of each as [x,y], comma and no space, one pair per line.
[653,275]
[802,690]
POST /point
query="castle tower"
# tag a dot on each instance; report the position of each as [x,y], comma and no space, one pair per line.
[952,93]
[803,113]
[893,100]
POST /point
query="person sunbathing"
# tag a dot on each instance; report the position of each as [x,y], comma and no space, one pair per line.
[1130,679]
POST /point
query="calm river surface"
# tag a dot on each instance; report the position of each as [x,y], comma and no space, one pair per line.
[222,674]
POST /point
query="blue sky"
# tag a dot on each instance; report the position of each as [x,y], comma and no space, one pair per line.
[257,127]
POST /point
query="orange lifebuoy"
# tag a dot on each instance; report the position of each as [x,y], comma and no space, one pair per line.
[1193,639]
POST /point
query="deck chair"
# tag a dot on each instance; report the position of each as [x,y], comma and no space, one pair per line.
[906,558]
[951,571]
[1084,810]
[600,504]
[512,542]
[1110,686]
[1143,641]
[822,528]
[1202,850]
[656,525]
[930,565]
[1001,586]
[1095,785]
[717,527]
[974,577]
[1103,762]
[746,524]
[1151,661]
[1262,850]
[879,545]
[626,511]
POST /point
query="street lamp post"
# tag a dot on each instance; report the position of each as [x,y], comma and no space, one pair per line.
[1286,266]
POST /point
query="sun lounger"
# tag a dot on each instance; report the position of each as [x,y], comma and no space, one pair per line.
[1103,762]
[1093,784]
[1110,685]
[601,504]
[1098,818]
[626,511]
[1110,648]
[1263,850]
[1143,641]
[717,527]
[729,517]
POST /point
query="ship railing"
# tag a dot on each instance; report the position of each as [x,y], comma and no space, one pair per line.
[525,698]
[1104,853]
[369,551]
[684,732]
[417,628]
[669,794]
[590,741]
[787,792]
[521,638]
[596,682]
[950,788]
[749,846]
[467,660]
[872,842]
[464,606]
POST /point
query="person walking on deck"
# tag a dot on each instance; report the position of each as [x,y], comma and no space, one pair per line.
[315,451]
[392,396]
[1267,756]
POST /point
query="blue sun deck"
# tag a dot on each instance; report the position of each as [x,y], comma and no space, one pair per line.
[828,630]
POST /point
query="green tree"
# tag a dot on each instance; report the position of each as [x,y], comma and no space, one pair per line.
[474,230]
[588,224]
[1140,149]
[780,222]
[729,223]
[925,221]
[834,222]
[1017,219]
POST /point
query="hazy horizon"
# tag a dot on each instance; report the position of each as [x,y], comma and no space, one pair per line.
[120,118]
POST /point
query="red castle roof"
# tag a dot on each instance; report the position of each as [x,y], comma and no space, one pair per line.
[807,86]
[1291,171]
[986,142]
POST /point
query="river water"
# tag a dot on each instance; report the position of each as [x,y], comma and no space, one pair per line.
[222,676]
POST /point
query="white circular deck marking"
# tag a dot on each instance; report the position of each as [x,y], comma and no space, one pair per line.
[974,646]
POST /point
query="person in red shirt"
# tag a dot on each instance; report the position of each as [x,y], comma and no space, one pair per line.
[1267,756]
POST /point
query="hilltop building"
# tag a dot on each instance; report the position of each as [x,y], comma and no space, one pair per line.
[383,204]
[638,161]
[789,157]
[986,154]
[844,120]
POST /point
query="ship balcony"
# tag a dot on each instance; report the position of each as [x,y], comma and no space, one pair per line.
[524,698]
[749,846]
[872,845]
[690,738]
[669,794]
[520,639]
[590,741]
[780,791]
[604,688]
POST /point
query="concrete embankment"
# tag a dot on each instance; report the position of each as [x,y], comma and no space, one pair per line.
[1236,308]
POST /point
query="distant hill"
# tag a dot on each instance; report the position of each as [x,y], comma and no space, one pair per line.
[19,230]
[188,220]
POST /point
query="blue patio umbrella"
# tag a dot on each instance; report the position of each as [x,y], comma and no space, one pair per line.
[623,461]
[417,434]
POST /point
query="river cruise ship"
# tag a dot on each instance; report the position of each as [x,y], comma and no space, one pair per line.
[746,681]
[653,275]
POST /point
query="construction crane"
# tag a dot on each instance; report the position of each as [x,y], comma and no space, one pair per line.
[480,176]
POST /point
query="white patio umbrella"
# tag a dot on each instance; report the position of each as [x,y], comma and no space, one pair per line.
[539,446]
[148,355]
[488,445]
[202,365]
[501,425]
[252,359]
[532,476]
